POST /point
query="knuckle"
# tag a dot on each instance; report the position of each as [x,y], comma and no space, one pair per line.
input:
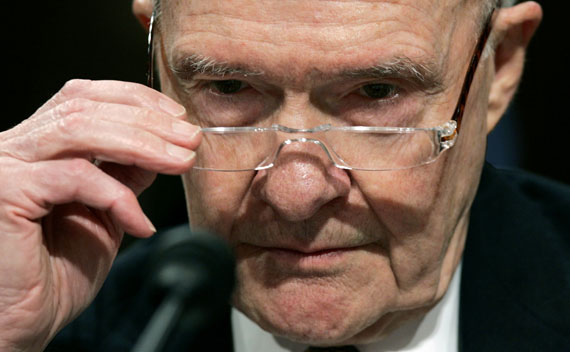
[72,124]
[74,105]
[133,87]
[141,141]
[71,90]
[73,116]
[141,93]
[122,194]
[78,167]
[147,117]
[74,87]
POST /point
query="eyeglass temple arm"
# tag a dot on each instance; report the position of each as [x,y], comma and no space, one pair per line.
[150,51]
[478,52]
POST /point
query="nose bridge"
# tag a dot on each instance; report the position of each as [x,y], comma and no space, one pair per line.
[300,126]
[311,142]
[301,143]
[303,177]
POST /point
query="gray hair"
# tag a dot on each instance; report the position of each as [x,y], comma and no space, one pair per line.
[508,3]
[157,9]
[485,11]
[488,6]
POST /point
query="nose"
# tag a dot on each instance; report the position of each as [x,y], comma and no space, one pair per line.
[302,181]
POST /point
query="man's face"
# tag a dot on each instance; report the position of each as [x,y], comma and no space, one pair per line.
[327,255]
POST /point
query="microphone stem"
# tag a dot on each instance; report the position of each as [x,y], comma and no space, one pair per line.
[162,322]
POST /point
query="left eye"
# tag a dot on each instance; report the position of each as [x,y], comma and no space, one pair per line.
[227,87]
[378,90]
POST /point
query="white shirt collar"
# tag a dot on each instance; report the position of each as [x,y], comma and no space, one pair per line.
[436,331]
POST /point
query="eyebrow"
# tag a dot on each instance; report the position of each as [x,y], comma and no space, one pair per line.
[426,76]
[199,64]
[423,75]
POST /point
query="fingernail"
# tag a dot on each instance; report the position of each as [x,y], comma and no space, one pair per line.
[171,107]
[179,153]
[196,132]
[185,128]
[150,225]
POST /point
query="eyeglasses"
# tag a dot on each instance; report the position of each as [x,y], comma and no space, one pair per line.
[348,147]
[352,147]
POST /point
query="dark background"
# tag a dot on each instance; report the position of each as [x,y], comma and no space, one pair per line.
[49,42]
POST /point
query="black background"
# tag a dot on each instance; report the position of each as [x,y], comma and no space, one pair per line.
[47,43]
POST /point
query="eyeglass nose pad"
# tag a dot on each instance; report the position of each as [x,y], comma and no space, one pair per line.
[270,160]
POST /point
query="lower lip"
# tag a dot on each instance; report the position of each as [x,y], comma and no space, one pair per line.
[323,259]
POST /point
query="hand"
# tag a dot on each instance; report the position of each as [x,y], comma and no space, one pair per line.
[70,175]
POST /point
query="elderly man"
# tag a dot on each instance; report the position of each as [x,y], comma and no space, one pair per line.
[351,136]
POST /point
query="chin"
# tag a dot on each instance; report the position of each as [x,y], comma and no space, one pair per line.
[332,300]
[308,313]
[310,330]
[328,330]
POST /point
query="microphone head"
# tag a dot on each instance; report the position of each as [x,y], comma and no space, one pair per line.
[199,263]
[191,277]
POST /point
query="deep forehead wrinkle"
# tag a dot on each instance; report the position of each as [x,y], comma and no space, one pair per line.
[425,68]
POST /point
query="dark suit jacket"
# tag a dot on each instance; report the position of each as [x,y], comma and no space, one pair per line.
[515,284]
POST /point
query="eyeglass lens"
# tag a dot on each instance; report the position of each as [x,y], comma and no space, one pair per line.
[250,150]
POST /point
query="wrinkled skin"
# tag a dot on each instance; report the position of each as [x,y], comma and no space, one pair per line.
[387,242]
[328,256]
[62,217]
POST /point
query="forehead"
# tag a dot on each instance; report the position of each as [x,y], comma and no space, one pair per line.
[296,37]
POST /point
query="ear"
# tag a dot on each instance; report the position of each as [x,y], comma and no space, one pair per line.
[143,11]
[514,27]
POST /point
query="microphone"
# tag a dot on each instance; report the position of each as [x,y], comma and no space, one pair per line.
[195,275]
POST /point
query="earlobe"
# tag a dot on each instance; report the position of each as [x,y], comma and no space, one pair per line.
[142,9]
[514,27]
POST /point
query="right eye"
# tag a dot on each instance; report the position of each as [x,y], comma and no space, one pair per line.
[227,87]
[379,91]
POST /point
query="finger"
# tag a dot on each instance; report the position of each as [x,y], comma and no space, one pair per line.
[113,92]
[102,137]
[135,178]
[180,132]
[55,182]
[118,92]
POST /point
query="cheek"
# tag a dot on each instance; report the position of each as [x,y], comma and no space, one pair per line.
[214,198]
[402,200]
[412,206]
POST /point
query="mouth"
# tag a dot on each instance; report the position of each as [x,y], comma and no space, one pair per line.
[308,253]
[305,259]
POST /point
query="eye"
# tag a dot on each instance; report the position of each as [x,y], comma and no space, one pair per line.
[378,91]
[227,87]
